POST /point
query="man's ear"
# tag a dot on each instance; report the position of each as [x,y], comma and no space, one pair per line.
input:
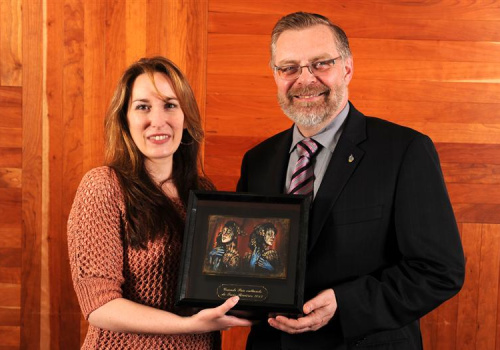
[348,68]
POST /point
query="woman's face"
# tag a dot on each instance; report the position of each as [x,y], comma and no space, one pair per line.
[227,235]
[269,236]
[155,118]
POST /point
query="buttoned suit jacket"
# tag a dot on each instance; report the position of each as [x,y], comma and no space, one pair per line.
[382,235]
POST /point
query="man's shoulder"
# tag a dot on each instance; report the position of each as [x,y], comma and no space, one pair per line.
[387,128]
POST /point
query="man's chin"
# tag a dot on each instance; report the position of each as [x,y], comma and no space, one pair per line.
[305,120]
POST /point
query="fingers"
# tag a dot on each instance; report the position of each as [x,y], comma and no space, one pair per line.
[323,299]
[228,304]
[234,321]
[293,326]
[319,311]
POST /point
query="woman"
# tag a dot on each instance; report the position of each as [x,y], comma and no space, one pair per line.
[125,226]
[224,256]
[262,258]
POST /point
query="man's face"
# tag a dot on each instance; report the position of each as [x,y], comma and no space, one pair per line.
[309,100]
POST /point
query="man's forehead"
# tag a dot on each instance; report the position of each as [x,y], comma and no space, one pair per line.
[306,44]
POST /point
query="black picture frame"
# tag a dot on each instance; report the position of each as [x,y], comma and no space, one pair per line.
[269,280]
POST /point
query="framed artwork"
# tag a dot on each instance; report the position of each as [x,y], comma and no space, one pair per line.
[249,245]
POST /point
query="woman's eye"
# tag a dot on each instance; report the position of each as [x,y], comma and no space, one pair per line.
[170,105]
[141,107]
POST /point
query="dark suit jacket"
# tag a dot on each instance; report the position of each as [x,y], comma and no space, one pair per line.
[382,234]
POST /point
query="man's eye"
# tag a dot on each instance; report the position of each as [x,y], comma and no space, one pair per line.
[321,65]
[289,69]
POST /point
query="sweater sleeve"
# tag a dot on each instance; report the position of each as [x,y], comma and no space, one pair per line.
[95,240]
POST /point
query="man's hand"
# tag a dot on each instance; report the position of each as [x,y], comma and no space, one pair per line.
[319,311]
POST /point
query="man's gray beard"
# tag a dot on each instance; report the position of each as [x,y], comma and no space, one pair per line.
[313,113]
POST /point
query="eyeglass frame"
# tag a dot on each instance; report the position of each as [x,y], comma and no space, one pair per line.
[309,66]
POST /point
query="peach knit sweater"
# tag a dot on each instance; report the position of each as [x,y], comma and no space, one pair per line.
[104,268]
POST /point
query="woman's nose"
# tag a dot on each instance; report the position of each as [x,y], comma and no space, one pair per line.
[157,117]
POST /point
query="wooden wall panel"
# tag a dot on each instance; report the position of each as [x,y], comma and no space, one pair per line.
[433,66]
[10,180]
[32,172]
[10,43]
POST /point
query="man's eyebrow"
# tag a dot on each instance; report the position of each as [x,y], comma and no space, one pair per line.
[313,59]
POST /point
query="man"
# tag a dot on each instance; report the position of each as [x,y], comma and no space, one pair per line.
[383,245]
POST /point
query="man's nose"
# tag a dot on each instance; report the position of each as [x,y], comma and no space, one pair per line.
[306,76]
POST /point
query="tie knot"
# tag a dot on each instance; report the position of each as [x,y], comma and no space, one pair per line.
[308,148]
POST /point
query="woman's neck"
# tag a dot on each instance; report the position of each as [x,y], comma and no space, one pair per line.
[161,173]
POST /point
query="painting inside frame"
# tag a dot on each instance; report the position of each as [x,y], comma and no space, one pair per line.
[248,245]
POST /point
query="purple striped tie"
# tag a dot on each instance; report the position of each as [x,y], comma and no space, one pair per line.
[302,181]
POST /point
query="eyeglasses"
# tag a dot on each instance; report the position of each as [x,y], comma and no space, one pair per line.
[294,71]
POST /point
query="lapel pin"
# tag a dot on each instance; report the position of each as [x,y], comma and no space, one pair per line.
[350,159]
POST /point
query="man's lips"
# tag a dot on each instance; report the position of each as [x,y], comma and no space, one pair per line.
[308,96]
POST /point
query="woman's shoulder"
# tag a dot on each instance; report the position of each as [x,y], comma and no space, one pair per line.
[99,175]
[100,180]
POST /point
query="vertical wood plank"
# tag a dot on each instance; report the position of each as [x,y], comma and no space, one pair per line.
[135,23]
[115,48]
[468,297]
[95,102]
[10,43]
[55,96]
[72,157]
[32,82]
[488,293]
[156,33]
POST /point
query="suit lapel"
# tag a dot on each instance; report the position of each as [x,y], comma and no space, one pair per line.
[279,163]
[344,161]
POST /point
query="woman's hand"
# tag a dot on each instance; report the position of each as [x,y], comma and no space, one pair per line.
[215,319]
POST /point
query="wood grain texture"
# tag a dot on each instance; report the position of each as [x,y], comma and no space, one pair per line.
[94,93]
[10,275]
[382,26]
[430,65]
[11,96]
[10,43]
[443,9]
[11,106]
[32,173]
[10,337]
[10,317]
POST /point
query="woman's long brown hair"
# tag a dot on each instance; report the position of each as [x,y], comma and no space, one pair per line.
[149,212]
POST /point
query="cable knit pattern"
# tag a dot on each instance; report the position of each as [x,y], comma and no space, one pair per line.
[103,268]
